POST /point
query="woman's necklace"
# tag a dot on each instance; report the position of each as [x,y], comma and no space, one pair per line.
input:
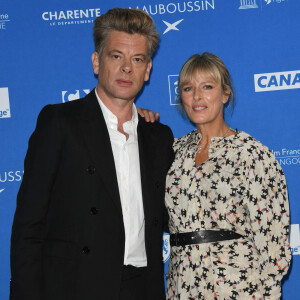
[223,137]
[226,133]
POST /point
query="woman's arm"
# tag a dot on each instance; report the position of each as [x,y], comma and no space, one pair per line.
[269,213]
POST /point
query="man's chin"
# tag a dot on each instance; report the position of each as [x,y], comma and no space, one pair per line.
[124,97]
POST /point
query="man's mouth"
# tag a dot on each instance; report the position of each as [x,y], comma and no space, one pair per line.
[124,82]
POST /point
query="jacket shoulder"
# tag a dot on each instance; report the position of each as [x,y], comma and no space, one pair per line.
[156,127]
[72,109]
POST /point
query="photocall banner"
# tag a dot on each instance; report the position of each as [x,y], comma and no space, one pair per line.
[45,57]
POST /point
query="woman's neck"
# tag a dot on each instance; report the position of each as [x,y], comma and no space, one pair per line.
[207,132]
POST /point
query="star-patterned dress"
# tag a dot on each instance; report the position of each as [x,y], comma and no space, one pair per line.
[242,188]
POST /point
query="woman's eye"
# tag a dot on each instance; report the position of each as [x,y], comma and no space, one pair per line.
[208,87]
[187,89]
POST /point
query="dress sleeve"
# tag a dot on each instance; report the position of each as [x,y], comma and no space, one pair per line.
[269,215]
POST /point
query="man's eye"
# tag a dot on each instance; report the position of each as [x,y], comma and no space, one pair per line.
[115,56]
[138,59]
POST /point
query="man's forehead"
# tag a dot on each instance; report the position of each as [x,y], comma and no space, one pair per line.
[119,40]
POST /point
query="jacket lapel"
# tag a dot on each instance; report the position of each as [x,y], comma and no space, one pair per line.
[97,141]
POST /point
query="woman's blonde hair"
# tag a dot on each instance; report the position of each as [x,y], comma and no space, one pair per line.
[210,64]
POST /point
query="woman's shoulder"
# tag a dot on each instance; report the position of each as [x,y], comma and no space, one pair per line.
[181,142]
[254,149]
[248,141]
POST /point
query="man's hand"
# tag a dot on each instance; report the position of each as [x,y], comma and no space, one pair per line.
[148,114]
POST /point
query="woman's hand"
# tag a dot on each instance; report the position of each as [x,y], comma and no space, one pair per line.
[148,114]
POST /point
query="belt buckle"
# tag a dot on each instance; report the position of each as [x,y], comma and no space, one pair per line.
[176,239]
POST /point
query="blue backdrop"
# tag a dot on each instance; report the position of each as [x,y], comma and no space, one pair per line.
[45,57]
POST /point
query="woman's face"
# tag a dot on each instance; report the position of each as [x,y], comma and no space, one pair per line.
[203,99]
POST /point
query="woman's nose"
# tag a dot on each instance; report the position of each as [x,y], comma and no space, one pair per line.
[197,94]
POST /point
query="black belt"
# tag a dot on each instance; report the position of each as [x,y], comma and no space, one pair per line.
[203,236]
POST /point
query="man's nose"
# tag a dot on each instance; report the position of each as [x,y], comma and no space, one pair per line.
[126,66]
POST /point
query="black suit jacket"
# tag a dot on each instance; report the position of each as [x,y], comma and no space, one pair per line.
[68,234]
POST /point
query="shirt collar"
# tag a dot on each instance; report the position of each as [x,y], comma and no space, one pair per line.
[109,117]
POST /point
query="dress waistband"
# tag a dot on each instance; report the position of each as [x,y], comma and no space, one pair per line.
[202,236]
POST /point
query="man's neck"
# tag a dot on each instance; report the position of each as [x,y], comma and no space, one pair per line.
[122,109]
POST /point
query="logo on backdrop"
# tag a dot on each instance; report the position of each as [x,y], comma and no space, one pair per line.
[172,26]
[295,239]
[173,89]
[71,17]
[275,1]
[287,157]
[11,176]
[4,103]
[176,7]
[277,81]
[246,4]
[166,247]
[73,95]
[4,20]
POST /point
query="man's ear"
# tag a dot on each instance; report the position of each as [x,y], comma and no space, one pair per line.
[95,62]
[148,70]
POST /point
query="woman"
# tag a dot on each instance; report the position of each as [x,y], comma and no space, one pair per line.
[226,197]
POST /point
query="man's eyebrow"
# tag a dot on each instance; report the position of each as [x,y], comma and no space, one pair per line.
[120,52]
[140,54]
[115,50]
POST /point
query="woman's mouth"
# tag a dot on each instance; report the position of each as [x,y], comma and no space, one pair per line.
[199,108]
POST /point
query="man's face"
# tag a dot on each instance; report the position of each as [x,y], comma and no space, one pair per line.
[123,66]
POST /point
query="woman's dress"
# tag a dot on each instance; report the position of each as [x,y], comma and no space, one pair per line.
[241,187]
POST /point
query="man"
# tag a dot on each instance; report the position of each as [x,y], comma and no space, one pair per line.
[90,209]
